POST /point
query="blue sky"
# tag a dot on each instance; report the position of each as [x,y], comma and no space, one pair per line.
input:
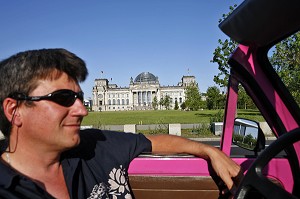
[122,38]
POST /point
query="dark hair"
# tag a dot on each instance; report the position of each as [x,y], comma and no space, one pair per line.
[21,72]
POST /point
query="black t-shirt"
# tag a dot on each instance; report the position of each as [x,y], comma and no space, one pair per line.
[97,168]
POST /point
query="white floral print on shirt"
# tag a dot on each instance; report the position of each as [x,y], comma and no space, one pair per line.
[118,186]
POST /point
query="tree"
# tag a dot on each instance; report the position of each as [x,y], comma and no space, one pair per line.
[161,102]
[244,101]
[221,56]
[167,102]
[286,61]
[203,102]
[248,139]
[155,103]
[193,97]
[183,106]
[176,107]
[214,98]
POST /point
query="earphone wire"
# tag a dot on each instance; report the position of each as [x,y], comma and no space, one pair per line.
[11,124]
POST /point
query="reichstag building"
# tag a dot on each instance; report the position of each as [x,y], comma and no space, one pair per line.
[139,95]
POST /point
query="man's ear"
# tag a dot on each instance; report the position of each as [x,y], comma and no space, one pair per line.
[11,111]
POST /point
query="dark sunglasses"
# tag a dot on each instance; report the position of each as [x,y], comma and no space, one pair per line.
[62,97]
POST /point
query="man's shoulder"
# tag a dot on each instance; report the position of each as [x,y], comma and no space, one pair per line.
[95,138]
[92,138]
[103,135]
[93,134]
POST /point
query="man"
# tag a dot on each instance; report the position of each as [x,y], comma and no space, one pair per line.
[47,156]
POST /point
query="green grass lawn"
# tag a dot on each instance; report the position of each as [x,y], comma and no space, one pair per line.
[160,117]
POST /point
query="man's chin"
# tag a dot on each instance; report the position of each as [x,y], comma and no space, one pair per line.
[74,142]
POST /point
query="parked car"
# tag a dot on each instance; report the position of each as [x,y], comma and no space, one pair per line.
[257,25]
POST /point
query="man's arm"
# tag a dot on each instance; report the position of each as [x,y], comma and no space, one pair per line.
[224,167]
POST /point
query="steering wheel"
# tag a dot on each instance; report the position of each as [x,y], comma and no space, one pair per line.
[254,179]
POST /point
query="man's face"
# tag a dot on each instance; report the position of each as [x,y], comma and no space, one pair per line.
[48,125]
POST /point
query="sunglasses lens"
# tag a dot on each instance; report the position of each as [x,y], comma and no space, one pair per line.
[64,97]
[80,96]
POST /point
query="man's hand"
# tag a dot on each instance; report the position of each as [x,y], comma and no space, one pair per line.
[229,172]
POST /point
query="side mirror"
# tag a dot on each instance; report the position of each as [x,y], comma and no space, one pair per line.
[248,135]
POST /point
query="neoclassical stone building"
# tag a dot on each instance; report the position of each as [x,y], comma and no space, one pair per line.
[139,95]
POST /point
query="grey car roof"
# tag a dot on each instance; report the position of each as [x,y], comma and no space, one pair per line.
[262,22]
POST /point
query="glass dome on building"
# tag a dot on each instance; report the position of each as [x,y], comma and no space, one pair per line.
[145,77]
